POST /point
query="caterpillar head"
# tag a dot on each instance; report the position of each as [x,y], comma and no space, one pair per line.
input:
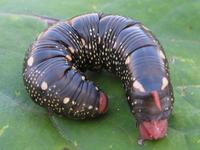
[152,107]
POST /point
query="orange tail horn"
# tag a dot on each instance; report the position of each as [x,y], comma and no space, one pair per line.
[156,99]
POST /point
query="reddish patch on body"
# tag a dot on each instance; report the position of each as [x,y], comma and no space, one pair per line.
[153,130]
[103,103]
[156,99]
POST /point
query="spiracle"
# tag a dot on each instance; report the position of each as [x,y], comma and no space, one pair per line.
[55,63]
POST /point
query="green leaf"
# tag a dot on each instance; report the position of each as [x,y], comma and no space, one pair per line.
[25,125]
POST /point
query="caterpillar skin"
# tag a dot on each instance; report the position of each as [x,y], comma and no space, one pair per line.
[55,62]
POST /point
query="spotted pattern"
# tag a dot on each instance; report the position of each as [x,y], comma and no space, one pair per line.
[55,62]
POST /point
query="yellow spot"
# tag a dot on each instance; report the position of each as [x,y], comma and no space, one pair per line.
[40,35]
[30,61]
[115,45]
[44,85]
[71,49]
[73,68]
[162,55]
[66,100]
[164,83]
[145,28]
[127,60]
[83,41]
[138,85]
[68,57]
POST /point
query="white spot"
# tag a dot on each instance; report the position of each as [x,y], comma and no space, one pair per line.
[44,85]
[30,61]
[133,78]
[90,107]
[66,100]
[138,85]
[99,40]
[162,55]
[127,60]
[89,46]
[167,108]
[73,102]
[164,83]
[83,78]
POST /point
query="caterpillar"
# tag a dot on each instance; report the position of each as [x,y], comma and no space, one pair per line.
[55,63]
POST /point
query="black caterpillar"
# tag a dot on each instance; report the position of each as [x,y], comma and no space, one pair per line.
[55,62]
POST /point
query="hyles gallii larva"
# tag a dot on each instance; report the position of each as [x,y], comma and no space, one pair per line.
[54,66]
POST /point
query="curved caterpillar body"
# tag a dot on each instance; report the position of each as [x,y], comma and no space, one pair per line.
[55,62]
